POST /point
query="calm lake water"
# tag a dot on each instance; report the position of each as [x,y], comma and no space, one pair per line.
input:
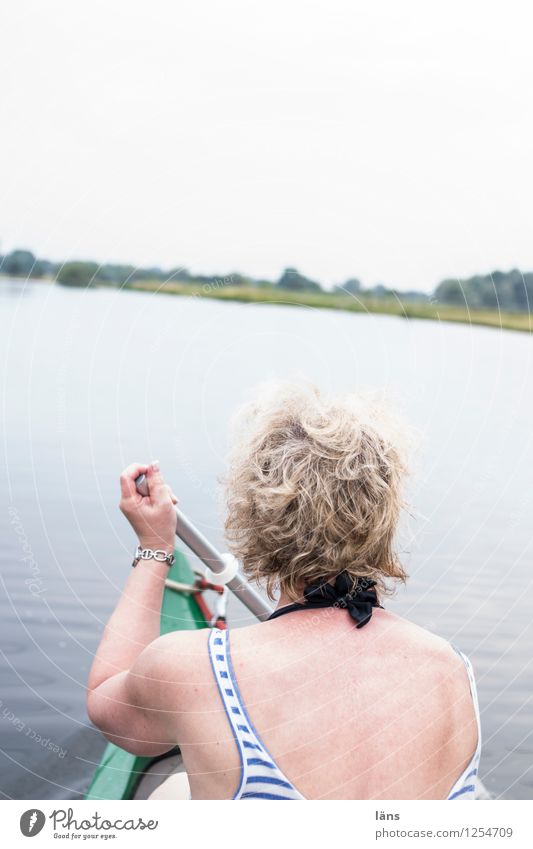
[92,380]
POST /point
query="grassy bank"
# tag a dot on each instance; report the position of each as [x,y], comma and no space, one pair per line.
[327,300]
[432,311]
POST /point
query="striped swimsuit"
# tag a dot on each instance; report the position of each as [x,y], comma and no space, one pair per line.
[467,784]
[260,777]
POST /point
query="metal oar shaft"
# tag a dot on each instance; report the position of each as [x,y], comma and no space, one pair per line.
[196,541]
[251,599]
[208,554]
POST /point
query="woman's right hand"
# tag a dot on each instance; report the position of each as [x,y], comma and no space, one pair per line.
[152,517]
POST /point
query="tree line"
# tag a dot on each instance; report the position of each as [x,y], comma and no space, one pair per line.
[510,291]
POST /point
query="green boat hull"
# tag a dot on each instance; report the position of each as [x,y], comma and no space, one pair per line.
[119,772]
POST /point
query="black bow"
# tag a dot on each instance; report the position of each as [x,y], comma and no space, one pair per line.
[358,600]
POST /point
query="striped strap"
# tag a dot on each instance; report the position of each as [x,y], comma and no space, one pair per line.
[261,778]
[466,785]
[473,691]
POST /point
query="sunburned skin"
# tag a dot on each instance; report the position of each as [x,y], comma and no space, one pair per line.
[382,712]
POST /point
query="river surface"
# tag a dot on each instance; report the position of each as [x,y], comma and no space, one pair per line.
[92,380]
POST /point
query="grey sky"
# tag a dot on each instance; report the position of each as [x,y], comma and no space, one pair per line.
[385,140]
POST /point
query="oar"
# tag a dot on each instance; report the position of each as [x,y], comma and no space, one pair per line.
[223,568]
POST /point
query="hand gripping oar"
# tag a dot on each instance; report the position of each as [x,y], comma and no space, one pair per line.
[222,568]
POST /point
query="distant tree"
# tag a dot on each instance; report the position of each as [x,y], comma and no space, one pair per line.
[180,274]
[505,290]
[485,293]
[205,279]
[379,291]
[516,291]
[293,280]
[44,268]
[352,286]
[18,263]
[237,279]
[117,274]
[154,273]
[450,292]
[77,273]
[523,292]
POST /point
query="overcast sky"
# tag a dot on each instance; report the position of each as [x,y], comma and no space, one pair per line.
[390,141]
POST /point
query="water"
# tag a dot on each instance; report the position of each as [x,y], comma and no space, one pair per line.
[92,380]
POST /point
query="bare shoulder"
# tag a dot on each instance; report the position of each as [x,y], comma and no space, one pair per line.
[444,671]
[173,662]
[425,641]
[435,657]
[442,677]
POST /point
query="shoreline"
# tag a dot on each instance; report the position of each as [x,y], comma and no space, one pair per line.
[426,311]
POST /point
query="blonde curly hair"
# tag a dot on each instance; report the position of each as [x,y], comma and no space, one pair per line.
[315,488]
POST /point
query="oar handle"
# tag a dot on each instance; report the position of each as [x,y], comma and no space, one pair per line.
[220,565]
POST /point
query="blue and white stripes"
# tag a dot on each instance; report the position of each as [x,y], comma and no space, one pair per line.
[466,785]
[261,778]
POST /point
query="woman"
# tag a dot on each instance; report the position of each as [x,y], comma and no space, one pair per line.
[334,697]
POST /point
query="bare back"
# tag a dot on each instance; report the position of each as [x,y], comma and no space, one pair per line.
[383,712]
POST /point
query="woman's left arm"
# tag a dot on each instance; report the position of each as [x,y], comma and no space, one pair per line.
[120,675]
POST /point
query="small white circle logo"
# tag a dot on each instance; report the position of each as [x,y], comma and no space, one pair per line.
[32,822]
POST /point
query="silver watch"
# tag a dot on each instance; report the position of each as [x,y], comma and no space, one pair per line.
[151,554]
